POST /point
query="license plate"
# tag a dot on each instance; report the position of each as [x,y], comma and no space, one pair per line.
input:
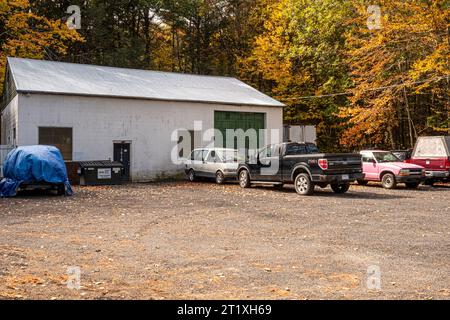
[345,177]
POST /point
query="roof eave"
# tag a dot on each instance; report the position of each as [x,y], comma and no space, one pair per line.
[12,73]
[280,105]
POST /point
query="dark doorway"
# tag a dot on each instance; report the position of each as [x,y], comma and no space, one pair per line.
[122,153]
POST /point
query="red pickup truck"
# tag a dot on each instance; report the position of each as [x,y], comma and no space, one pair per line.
[433,153]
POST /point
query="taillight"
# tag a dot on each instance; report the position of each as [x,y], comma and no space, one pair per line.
[323,164]
[447,164]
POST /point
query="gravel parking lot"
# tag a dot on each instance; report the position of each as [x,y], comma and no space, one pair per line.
[191,241]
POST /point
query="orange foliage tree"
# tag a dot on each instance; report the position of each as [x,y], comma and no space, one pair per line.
[298,53]
[400,73]
[27,35]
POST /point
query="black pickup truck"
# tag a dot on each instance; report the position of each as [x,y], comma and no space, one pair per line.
[300,164]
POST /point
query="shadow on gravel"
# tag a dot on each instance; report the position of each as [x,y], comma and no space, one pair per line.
[318,192]
[422,187]
[359,195]
[442,187]
[38,194]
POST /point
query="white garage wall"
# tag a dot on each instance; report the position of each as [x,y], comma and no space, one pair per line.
[97,122]
[9,122]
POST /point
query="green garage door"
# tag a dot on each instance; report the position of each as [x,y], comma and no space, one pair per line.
[224,120]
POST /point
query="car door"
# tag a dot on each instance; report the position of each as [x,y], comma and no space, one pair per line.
[211,163]
[269,164]
[370,167]
[254,164]
[202,166]
[291,159]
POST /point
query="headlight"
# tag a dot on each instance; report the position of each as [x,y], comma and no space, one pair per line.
[404,172]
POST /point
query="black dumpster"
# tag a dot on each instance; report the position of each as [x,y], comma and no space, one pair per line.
[96,173]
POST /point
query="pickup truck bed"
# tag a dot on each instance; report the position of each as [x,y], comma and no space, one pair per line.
[341,167]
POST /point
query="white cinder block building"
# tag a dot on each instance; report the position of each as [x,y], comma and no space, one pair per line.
[99,113]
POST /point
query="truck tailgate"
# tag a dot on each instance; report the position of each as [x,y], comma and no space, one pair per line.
[433,164]
[343,163]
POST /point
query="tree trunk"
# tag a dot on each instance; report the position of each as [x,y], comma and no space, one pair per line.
[412,129]
[391,137]
[147,37]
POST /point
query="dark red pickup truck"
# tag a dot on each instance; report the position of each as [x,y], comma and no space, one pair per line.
[433,153]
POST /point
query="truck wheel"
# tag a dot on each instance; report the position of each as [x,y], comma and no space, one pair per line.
[220,179]
[303,184]
[340,188]
[363,182]
[429,183]
[191,176]
[412,185]
[244,179]
[388,181]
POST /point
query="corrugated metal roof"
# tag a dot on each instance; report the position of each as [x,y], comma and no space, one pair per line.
[39,76]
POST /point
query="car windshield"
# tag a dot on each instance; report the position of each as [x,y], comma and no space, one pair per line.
[386,157]
[229,156]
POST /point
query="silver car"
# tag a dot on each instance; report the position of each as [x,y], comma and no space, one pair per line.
[219,164]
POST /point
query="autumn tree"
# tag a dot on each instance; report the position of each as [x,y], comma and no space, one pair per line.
[301,54]
[28,35]
[400,74]
[360,86]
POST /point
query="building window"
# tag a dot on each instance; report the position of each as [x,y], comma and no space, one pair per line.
[57,137]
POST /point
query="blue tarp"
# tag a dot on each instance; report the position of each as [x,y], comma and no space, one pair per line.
[33,164]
